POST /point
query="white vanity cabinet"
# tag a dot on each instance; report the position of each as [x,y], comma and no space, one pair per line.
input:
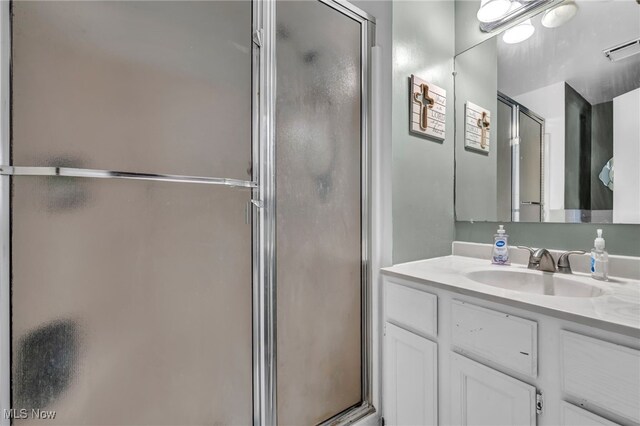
[483,396]
[571,415]
[457,359]
[410,357]
[411,378]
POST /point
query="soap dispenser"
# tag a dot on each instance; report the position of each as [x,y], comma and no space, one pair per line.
[500,255]
[599,259]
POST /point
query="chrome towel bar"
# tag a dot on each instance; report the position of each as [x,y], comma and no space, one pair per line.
[106,174]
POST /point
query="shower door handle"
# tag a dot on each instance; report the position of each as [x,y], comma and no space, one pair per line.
[105,174]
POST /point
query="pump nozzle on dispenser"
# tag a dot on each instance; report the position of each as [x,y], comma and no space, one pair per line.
[598,243]
[599,258]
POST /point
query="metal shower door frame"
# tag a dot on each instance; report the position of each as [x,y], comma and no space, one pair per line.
[264,213]
[5,230]
[516,109]
[263,209]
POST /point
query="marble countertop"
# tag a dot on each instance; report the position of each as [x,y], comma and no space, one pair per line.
[617,309]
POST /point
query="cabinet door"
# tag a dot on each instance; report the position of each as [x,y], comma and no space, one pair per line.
[410,378]
[571,415]
[483,396]
[612,385]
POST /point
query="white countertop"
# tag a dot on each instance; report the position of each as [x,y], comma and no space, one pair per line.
[617,309]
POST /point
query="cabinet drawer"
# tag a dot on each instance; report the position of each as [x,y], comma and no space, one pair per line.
[495,336]
[601,374]
[411,309]
[570,415]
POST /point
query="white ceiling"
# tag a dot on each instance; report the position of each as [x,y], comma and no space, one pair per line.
[573,53]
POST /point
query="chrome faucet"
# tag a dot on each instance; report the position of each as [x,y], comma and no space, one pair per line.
[564,267]
[540,259]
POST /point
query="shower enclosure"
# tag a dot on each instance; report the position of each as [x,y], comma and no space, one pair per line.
[185,212]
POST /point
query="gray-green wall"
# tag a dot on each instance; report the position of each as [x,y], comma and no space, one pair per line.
[423,44]
[476,81]
[467,29]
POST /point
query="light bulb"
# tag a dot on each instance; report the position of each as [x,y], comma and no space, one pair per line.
[492,10]
[559,15]
[519,33]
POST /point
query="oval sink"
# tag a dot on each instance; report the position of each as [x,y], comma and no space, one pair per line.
[535,282]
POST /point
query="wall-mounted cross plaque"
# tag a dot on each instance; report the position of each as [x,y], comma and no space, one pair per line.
[483,123]
[477,127]
[428,109]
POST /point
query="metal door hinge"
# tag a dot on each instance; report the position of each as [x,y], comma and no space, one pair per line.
[257,38]
[539,402]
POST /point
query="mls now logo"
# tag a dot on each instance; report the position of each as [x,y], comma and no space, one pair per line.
[34,413]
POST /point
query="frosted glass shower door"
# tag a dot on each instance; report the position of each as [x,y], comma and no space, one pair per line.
[319,222]
[131,300]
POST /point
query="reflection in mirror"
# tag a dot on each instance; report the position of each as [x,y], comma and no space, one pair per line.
[564,139]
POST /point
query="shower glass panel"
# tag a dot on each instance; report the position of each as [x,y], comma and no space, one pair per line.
[156,87]
[318,215]
[131,301]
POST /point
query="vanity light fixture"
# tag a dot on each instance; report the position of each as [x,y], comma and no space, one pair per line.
[559,15]
[519,33]
[516,12]
[492,10]
[623,50]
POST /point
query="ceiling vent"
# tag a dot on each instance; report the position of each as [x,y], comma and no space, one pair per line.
[623,50]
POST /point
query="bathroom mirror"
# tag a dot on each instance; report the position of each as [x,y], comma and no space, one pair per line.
[547,118]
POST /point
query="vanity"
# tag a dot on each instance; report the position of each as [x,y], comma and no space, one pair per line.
[466,342]
[546,146]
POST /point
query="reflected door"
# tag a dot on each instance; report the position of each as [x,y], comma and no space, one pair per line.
[319,140]
[520,162]
[530,152]
[131,300]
